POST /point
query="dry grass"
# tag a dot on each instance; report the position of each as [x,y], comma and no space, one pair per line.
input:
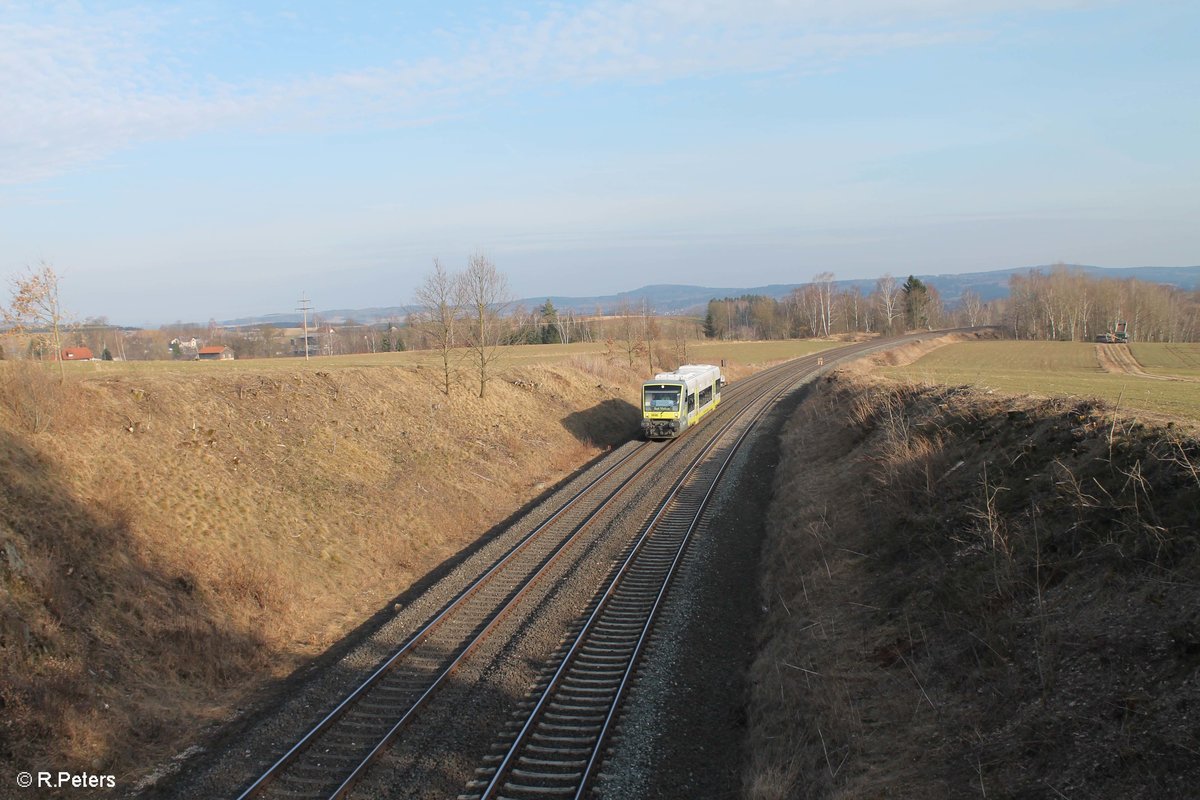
[173,538]
[756,353]
[32,393]
[978,595]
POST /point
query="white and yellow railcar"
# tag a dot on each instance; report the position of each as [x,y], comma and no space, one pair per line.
[674,401]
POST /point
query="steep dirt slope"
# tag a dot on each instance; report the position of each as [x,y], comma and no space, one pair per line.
[978,596]
[170,542]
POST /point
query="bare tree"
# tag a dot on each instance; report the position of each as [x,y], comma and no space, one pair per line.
[972,307]
[682,330]
[483,292]
[440,311]
[824,285]
[852,309]
[807,301]
[628,332]
[889,299]
[35,305]
[649,332]
[565,325]
[270,336]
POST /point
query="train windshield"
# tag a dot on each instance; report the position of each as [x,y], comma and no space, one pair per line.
[662,399]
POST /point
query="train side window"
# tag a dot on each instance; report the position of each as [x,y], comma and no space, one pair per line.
[705,396]
[691,403]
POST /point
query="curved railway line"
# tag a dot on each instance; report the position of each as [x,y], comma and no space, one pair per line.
[557,746]
[557,749]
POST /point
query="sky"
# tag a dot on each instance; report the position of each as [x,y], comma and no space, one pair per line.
[210,160]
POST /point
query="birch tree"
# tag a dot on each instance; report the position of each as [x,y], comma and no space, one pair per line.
[888,294]
[972,306]
[823,283]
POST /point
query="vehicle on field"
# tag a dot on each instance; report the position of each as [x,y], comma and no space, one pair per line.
[1119,334]
[674,401]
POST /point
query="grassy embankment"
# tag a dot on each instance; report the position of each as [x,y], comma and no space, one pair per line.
[175,536]
[974,594]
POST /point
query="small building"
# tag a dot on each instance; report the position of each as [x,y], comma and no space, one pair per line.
[184,349]
[77,354]
[305,345]
[215,353]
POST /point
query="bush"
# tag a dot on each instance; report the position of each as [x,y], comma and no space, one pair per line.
[31,393]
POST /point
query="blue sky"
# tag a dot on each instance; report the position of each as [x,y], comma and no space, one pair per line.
[211,159]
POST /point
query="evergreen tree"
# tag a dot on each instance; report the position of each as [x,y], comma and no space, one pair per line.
[916,302]
[549,323]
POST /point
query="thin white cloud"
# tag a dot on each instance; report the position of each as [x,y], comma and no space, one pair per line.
[76,87]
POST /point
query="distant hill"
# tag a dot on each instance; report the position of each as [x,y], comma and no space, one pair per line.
[681,299]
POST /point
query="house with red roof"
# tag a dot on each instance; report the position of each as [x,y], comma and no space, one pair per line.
[77,354]
[216,352]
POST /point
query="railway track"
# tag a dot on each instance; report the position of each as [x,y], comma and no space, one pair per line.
[333,755]
[558,745]
[328,760]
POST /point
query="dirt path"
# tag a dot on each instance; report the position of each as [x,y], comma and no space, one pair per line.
[1116,359]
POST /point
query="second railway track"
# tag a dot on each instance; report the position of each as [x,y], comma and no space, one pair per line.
[337,751]
[559,745]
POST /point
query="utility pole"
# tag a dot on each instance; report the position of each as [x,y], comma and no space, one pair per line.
[646,335]
[305,306]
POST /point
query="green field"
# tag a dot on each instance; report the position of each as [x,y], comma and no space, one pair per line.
[1168,359]
[1050,368]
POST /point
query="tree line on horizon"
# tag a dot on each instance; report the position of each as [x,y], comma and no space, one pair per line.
[1064,304]
[472,310]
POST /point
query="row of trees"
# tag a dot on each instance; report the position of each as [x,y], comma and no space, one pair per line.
[1062,304]
[464,309]
[818,308]
[1068,304]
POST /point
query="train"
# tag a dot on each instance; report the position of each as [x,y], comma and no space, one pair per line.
[674,401]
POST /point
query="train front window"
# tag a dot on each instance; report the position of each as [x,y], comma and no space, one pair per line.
[661,399]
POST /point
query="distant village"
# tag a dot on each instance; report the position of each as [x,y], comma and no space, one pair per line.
[96,340]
